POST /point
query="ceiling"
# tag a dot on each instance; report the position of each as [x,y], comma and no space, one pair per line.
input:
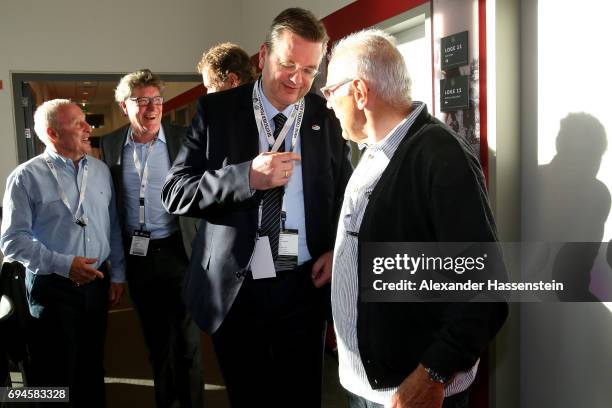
[96,92]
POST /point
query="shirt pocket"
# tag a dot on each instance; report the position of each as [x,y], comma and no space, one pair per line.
[50,206]
[102,195]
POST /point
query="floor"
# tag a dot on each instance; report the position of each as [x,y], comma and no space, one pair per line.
[129,377]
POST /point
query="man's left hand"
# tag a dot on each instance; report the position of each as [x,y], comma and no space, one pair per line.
[322,269]
[115,292]
[418,390]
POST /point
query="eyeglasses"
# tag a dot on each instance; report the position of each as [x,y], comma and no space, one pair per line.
[146,100]
[328,90]
[291,68]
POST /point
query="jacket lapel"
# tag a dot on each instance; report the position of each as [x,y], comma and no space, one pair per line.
[118,149]
[310,141]
[173,140]
[250,126]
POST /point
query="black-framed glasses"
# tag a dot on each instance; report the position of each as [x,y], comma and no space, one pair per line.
[328,90]
[147,100]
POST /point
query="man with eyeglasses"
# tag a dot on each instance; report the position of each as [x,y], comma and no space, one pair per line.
[265,167]
[139,156]
[416,182]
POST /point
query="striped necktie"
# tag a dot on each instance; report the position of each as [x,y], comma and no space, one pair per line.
[273,199]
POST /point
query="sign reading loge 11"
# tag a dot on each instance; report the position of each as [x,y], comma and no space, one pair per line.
[454,50]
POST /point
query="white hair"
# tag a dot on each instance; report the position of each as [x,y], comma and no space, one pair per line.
[372,56]
[46,117]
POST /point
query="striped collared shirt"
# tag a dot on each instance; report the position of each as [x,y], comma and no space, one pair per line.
[345,287]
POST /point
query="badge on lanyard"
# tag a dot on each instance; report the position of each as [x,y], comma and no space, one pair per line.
[262,264]
[287,259]
[141,237]
[140,243]
[287,250]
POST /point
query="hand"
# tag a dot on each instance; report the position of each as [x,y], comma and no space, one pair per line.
[271,169]
[418,390]
[80,271]
[322,269]
[115,292]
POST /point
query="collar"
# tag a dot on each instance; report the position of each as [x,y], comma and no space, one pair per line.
[269,109]
[391,141]
[401,128]
[161,136]
[59,159]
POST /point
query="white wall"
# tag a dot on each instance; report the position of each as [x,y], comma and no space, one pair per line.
[503,115]
[256,16]
[566,358]
[88,36]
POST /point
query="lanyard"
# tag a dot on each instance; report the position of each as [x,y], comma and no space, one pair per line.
[263,123]
[82,221]
[282,220]
[143,174]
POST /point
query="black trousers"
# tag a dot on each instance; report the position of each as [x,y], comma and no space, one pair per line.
[270,345]
[155,283]
[67,345]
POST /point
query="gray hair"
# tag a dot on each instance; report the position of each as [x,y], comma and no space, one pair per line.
[372,56]
[46,117]
[137,79]
[299,21]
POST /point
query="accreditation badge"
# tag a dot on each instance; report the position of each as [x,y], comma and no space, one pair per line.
[262,264]
[287,250]
[140,243]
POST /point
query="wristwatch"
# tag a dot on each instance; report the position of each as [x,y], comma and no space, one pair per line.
[435,376]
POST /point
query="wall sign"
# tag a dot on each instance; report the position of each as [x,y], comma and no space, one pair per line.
[454,93]
[454,50]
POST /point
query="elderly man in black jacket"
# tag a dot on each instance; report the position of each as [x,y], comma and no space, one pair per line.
[416,182]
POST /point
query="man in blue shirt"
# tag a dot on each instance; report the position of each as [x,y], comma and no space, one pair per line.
[60,222]
[139,156]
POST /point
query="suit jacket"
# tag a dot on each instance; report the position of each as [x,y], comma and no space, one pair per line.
[433,190]
[210,180]
[111,150]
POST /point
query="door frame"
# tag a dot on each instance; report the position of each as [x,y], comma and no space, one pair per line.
[18,78]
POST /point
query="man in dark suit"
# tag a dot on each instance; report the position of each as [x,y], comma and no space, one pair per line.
[417,182]
[262,256]
[139,156]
